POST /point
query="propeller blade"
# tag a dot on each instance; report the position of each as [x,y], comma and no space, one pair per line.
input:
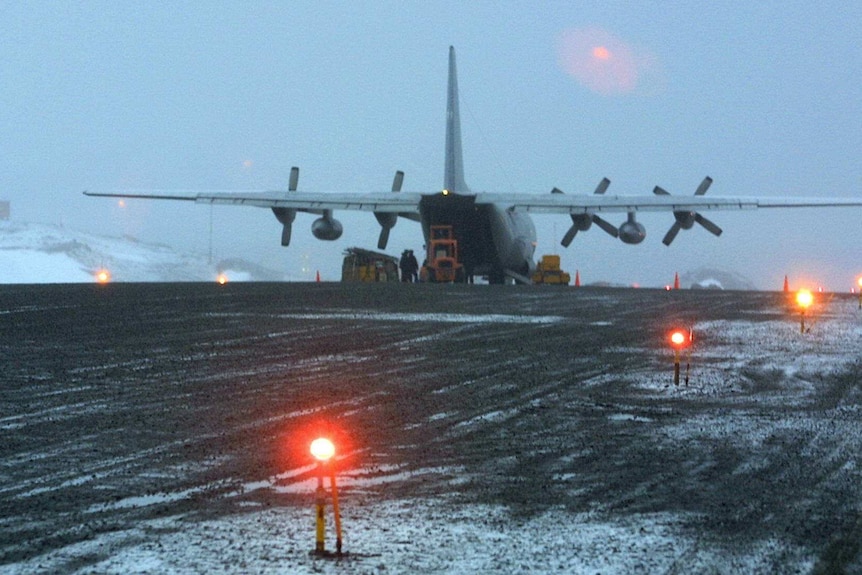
[384,238]
[704,185]
[671,233]
[710,226]
[607,226]
[285,233]
[603,186]
[396,183]
[294,181]
[570,235]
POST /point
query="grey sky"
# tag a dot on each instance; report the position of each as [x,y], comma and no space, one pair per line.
[764,97]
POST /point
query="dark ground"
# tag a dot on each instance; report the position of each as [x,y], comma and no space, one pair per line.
[115,394]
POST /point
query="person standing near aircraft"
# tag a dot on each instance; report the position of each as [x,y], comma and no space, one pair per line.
[404,266]
[414,266]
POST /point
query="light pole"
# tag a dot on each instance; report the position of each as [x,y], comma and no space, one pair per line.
[323,450]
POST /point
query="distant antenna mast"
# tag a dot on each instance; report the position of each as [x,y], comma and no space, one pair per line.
[211,235]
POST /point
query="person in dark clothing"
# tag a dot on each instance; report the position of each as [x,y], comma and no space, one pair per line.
[414,266]
[404,266]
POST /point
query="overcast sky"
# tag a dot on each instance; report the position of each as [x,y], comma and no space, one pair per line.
[765,97]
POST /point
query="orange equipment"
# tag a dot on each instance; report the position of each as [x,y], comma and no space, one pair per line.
[441,264]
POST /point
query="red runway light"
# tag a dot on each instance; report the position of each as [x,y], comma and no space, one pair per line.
[678,338]
[804,298]
[322,449]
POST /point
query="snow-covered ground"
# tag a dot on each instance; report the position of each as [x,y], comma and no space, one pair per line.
[38,254]
[415,536]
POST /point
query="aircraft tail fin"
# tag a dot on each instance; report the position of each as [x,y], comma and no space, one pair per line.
[453,176]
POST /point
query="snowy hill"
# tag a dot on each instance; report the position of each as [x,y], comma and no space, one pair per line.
[705,278]
[38,253]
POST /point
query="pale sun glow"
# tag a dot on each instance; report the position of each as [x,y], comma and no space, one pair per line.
[601,53]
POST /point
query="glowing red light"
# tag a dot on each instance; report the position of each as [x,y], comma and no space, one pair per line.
[804,298]
[678,338]
[322,449]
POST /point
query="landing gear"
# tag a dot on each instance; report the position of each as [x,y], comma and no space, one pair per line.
[497,277]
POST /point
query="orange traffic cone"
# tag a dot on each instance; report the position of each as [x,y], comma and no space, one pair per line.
[786,284]
[577,279]
[675,281]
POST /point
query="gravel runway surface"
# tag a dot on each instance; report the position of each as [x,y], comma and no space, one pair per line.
[513,423]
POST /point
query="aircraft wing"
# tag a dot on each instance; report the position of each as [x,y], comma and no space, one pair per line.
[408,202]
[313,202]
[592,204]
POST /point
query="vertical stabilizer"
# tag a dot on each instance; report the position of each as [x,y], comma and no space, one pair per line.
[453,176]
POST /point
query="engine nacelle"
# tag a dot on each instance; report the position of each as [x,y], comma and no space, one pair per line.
[631,231]
[582,222]
[327,228]
[684,219]
[386,219]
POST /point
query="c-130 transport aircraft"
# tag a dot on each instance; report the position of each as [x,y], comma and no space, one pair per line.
[495,233]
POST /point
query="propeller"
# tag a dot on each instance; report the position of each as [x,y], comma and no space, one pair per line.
[582,222]
[286,215]
[387,220]
[686,219]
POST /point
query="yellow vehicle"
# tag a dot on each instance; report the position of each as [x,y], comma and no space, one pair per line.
[441,264]
[366,266]
[548,272]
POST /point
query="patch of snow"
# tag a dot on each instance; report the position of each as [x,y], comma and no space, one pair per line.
[629,417]
[709,283]
[411,536]
[38,254]
[427,317]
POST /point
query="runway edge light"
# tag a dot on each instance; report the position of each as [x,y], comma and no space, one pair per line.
[804,299]
[323,450]
[679,339]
